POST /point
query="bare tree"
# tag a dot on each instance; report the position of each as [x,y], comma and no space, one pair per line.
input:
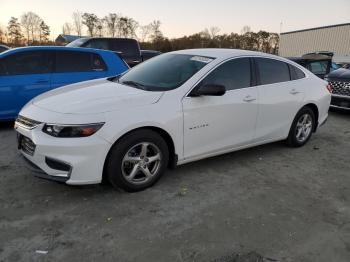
[111,21]
[145,32]
[2,34]
[246,29]
[26,23]
[31,24]
[99,27]
[90,21]
[67,29]
[77,22]
[205,33]
[127,27]
[214,30]
[155,29]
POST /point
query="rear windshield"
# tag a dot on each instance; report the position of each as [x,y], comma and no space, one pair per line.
[164,72]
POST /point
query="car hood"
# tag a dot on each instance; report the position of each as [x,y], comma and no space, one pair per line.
[96,96]
[340,73]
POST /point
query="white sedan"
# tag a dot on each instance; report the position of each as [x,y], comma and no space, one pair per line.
[173,109]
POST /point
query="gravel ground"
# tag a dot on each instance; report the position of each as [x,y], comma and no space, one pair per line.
[270,203]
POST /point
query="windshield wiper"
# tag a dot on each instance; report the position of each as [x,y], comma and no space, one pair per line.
[134,84]
[114,78]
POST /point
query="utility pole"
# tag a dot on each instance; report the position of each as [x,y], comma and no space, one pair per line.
[281,25]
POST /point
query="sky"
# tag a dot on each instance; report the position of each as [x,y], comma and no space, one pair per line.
[185,17]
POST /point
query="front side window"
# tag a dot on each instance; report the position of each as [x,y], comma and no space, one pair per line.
[164,72]
[27,63]
[74,61]
[272,71]
[234,74]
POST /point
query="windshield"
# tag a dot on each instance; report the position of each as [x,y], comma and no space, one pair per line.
[78,43]
[164,72]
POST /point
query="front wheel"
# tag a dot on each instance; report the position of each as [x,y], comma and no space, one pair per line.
[137,161]
[302,128]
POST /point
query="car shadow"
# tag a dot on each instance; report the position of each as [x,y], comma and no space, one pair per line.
[6,125]
[338,111]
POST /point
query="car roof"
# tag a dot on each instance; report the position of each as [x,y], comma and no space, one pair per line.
[150,51]
[64,48]
[108,38]
[224,53]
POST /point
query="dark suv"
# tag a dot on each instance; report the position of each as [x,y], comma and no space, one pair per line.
[340,82]
[127,48]
[319,63]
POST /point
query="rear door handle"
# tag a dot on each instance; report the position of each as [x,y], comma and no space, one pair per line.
[249,98]
[294,92]
[42,81]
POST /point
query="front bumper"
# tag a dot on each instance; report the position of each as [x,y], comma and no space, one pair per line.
[340,101]
[38,172]
[75,161]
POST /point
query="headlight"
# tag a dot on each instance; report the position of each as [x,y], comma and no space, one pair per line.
[72,130]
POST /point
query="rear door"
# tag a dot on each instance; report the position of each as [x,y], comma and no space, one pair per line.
[280,97]
[23,76]
[76,66]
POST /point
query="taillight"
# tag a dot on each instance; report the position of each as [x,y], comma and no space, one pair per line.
[329,88]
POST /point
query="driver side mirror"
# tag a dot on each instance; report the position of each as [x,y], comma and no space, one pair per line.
[208,90]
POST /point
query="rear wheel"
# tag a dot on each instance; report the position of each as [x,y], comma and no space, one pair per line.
[302,128]
[137,161]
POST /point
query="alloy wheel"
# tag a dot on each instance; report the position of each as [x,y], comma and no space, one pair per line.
[141,163]
[303,128]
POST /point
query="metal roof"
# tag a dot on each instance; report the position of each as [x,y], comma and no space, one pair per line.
[315,28]
[69,38]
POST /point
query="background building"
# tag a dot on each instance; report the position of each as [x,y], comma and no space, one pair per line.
[66,39]
[334,38]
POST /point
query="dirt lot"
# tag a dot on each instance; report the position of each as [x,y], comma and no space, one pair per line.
[285,204]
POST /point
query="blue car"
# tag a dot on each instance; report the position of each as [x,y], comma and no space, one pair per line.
[29,71]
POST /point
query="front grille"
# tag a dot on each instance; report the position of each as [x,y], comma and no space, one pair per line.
[27,145]
[340,88]
[26,122]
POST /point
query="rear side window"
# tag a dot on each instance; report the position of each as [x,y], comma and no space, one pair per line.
[234,74]
[126,47]
[272,71]
[296,73]
[72,61]
[98,44]
[27,63]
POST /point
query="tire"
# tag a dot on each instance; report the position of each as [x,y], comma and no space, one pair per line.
[298,137]
[137,161]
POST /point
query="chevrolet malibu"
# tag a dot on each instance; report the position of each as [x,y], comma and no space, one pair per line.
[173,109]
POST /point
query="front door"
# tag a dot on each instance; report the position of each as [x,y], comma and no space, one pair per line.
[216,123]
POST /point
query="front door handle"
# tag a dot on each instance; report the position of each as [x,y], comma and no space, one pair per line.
[249,98]
[294,92]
